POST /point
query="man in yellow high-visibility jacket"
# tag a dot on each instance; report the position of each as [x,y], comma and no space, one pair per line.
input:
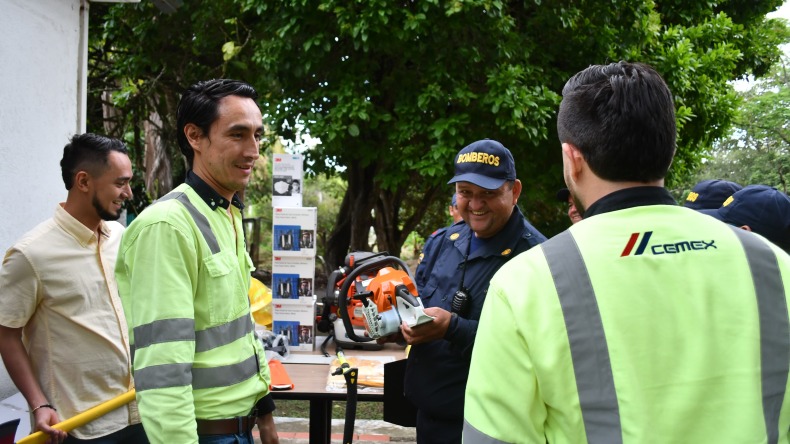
[183,275]
[644,322]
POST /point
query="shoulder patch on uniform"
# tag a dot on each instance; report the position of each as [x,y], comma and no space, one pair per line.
[454,236]
[506,252]
[422,255]
[438,232]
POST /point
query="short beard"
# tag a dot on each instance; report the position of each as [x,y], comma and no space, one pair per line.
[103,213]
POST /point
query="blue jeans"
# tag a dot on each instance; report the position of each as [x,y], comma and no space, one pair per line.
[226,439]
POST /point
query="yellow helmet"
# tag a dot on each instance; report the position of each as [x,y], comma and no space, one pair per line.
[261,303]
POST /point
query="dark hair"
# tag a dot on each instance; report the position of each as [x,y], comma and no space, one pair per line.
[87,152]
[199,105]
[621,117]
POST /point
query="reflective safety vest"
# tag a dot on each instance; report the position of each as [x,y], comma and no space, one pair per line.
[650,324]
[183,274]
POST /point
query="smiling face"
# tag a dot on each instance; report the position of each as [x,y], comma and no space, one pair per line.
[573,213]
[225,156]
[486,211]
[111,188]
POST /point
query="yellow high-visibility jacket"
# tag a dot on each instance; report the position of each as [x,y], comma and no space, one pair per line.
[648,324]
[183,275]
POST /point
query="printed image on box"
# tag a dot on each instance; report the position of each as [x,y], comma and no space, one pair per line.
[289,329]
[286,237]
[284,286]
[302,222]
[307,239]
[295,318]
[299,271]
[305,287]
[286,186]
[305,334]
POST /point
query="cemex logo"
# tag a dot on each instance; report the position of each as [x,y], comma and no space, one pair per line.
[661,248]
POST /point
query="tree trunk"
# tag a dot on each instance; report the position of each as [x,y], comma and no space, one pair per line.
[391,233]
[355,216]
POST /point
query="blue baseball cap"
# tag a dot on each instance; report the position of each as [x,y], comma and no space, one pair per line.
[710,194]
[764,209]
[453,202]
[563,194]
[485,163]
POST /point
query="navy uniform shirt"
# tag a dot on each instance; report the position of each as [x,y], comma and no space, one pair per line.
[436,371]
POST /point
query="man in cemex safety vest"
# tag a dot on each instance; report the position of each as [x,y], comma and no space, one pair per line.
[644,322]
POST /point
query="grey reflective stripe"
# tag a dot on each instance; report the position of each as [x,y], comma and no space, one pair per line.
[774,328]
[162,376]
[226,375]
[198,217]
[589,351]
[164,330]
[179,375]
[473,436]
[224,334]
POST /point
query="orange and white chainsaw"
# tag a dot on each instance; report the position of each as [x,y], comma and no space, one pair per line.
[372,294]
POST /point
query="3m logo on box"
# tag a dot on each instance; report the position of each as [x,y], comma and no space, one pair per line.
[661,248]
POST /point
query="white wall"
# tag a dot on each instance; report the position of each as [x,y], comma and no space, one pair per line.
[39,81]
[38,90]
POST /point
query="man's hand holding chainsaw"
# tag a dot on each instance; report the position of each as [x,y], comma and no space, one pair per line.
[428,331]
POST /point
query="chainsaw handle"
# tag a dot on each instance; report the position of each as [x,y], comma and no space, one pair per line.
[342,297]
[403,292]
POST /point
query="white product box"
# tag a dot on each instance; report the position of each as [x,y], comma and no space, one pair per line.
[294,231]
[295,319]
[293,277]
[287,180]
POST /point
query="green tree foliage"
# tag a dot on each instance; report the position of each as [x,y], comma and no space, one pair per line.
[394,89]
[140,60]
[757,149]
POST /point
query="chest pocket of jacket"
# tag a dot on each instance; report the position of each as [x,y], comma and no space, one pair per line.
[219,281]
[428,296]
[223,288]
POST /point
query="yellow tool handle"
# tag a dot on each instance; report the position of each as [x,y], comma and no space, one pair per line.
[341,358]
[82,418]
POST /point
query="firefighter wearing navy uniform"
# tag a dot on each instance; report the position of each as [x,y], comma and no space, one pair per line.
[644,322]
[455,270]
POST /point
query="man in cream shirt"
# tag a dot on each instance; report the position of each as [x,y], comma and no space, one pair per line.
[63,335]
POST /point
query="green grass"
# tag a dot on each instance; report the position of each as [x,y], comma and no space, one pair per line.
[301,409]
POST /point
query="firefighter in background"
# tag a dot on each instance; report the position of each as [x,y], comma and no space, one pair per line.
[644,322]
[710,194]
[455,215]
[453,210]
[564,196]
[760,209]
